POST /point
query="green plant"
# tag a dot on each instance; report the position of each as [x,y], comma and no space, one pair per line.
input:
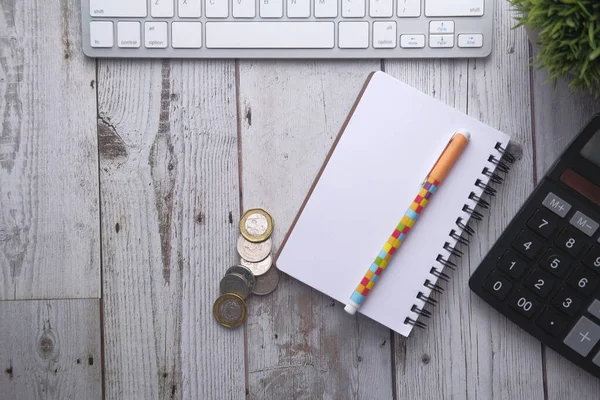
[568,37]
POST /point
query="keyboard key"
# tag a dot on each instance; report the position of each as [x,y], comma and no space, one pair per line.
[353,35]
[543,223]
[186,35]
[297,8]
[217,8]
[592,259]
[552,322]
[441,41]
[161,8]
[583,337]
[525,303]
[594,308]
[156,35]
[527,244]
[557,205]
[326,8]
[570,242]
[128,34]
[271,8]
[497,285]
[584,223]
[441,27]
[244,9]
[101,34]
[409,8]
[470,40]
[412,41]
[567,301]
[190,8]
[380,8]
[384,35]
[540,283]
[445,8]
[555,263]
[512,264]
[583,280]
[353,8]
[118,8]
[264,35]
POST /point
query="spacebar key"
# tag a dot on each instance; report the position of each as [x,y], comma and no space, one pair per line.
[270,35]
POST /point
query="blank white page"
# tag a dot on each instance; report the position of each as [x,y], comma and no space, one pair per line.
[390,143]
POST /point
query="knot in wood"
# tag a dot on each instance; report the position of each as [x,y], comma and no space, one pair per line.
[47,345]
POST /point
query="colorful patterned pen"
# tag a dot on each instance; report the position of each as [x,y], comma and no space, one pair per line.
[436,176]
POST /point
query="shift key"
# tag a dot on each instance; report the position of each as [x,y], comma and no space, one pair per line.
[118,8]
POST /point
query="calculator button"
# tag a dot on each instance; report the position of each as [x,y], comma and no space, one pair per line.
[584,223]
[596,359]
[567,301]
[583,337]
[552,322]
[583,280]
[570,242]
[555,263]
[497,285]
[512,264]
[592,259]
[594,308]
[527,244]
[543,223]
[557,205]
[540,283]
[524,302]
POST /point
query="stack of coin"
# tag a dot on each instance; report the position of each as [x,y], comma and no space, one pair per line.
[254,247]
[235,287]
[256,274]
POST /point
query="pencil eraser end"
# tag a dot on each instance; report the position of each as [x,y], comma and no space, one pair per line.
[350,309]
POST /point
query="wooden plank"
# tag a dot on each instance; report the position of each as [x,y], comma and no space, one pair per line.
[49,228]
[301,344]
[169,180]
[559,114]
[470,351]
[50,349]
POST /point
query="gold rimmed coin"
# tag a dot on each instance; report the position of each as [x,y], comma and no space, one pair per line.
[256,225]
[230,310]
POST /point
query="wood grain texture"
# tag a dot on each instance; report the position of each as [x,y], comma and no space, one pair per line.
[49,218]
[301,344]
[559,114]
[469,351]
[50,350]
[169,180]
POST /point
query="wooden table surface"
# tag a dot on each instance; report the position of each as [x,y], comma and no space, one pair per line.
[121,186]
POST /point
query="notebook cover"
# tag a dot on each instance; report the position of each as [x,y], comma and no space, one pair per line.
[388,143]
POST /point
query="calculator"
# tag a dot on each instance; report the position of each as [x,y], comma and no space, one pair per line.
[543,272]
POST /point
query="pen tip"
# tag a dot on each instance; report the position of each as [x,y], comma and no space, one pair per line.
[350,309]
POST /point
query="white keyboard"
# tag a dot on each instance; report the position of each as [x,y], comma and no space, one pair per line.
[287,28]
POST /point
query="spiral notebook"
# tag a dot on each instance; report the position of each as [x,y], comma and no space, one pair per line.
[387,145]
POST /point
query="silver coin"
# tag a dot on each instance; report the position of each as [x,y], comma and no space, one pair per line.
[258,268]
[236,284]
[256,224]
[266,283]
[253,252]
[245,272]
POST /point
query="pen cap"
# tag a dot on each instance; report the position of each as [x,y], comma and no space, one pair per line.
[449,156]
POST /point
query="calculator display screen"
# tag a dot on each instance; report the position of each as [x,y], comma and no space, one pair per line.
[591,151]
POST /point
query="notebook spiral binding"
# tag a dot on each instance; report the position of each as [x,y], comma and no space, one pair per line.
[499,162]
